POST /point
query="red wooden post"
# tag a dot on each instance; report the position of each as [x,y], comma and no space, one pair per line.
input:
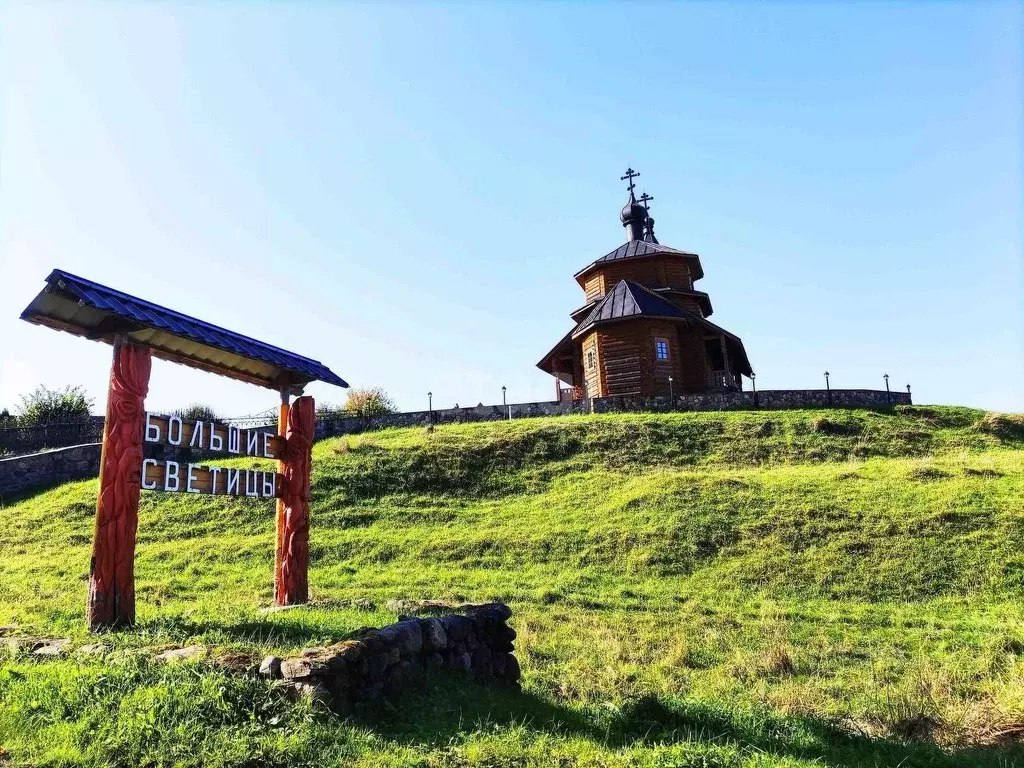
[291,581]
[111,601]
[282,467]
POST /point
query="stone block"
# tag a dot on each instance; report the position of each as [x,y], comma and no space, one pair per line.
[304,666]
[457,628]
[187,653]
[512,671]
[271,667]
[406,636]
[434,636]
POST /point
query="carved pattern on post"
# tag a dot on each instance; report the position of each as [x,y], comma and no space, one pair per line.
[111,599]
[291,581]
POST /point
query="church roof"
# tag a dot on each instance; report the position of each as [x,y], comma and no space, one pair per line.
[640,248]
[628,299]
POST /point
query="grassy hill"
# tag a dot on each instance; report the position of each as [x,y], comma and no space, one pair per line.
[837,588]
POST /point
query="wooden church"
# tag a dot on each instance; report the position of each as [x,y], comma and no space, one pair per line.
[643,328]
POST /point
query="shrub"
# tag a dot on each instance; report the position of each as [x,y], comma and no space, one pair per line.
[369,401]
[51,406]
[329,411]
[197,412]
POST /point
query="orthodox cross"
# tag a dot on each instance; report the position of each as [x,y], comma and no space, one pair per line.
[645,199]
[630,174]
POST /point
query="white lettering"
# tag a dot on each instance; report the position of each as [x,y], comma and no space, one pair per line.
[216,441]
[253,488]
[214,474]
[232,488]
[191,479]
[152,430]
[266,445]
[252,442]
[145,463]
[234,438]
[170,430]
[171,473]
[269,485]
[197,436]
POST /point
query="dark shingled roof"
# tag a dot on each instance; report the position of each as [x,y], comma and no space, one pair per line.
[629,299]
[638,249]
[84,308]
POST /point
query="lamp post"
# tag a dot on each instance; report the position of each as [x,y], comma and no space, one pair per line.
[888,397]
[908,390]
[430,405]
[753,383]
[504,405]
[671,395]
[503,396]
[828,389]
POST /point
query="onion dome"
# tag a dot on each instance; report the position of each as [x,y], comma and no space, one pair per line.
[632,211]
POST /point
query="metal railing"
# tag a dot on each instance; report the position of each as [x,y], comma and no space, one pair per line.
[721,380]
[19,440]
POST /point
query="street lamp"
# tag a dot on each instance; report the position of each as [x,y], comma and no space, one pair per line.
[908,390]
[888,397]
[430,405]
[753,383]
[671,393]
[828,389]
[502,397]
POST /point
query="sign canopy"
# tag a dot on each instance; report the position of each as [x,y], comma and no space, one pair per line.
[84,308]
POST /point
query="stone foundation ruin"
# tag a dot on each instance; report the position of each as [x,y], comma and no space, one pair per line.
[382,662]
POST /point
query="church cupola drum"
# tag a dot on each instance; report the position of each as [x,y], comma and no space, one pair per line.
[643,328]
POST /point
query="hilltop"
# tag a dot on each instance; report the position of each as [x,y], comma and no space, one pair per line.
[745,588]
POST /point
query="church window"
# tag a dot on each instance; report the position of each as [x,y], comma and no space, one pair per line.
[590,360]
[661,349]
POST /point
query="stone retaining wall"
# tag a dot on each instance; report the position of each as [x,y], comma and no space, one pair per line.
[39,470]
[49,468]
[772,399]
[775,399]
[349,425]
[383,662]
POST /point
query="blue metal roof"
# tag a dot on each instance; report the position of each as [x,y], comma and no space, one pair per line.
[81,306]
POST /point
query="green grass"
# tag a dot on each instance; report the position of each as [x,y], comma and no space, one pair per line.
[806,588]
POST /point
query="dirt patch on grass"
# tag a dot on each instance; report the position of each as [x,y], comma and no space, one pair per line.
[1005,426]
[826,426]
[982,472]
[928,473]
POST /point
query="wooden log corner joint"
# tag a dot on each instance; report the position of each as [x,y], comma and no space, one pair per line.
[140,330]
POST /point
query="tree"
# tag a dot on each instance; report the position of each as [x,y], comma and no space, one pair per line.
[54,406]
[369,401]
[198,412]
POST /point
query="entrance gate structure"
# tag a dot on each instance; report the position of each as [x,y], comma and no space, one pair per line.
[140,330]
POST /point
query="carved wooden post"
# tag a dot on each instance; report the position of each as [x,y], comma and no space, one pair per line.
[111,601]
[282,466]
[291,580]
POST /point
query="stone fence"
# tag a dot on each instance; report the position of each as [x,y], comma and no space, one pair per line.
[48,468]
[38,470]
[776,399]
[769,400]
[384,662]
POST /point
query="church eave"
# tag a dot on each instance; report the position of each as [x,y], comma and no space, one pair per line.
[593,266]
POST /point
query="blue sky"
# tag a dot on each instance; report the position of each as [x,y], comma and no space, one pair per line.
[404,191]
